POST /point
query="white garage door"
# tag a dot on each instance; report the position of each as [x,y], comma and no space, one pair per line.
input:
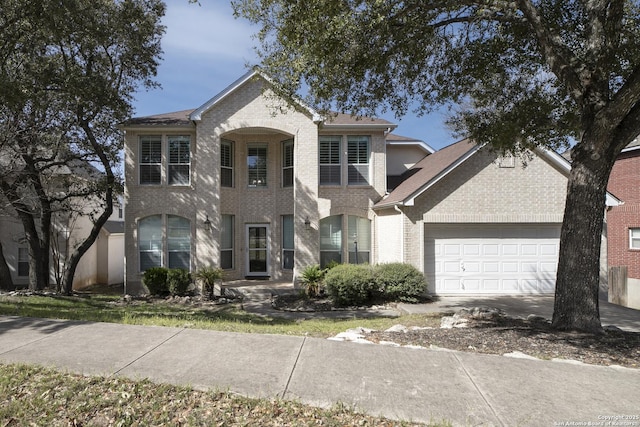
[491,259]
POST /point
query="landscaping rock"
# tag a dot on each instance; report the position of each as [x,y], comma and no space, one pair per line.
[398,328]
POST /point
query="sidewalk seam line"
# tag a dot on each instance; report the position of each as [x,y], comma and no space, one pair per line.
[478,389]
[39,339]
[146,353]
[295,364]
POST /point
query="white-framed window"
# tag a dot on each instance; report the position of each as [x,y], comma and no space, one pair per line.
[226,163]
[634,238]
[226,241]
[287,163]
[150,242]
[179,160]
[359,243]
[358,151]
[150,164]
[288,251]
[179,242]
[330,240]
[23,262]
[257,165]
[329,160]
[164,241]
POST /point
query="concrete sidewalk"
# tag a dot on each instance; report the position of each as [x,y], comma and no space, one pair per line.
[410,384]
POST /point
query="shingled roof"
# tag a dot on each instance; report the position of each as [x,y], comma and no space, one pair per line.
[427,171]
[176,118]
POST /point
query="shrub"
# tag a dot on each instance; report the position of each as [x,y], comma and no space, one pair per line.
[155,280]
[208,276]
[178,280]
[350,284]
[400,282]
[311,278]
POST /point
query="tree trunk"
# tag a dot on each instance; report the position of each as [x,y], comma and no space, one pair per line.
[5,274]
[576,299]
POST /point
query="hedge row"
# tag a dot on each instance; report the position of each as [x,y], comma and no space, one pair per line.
[356,284]
[163,281]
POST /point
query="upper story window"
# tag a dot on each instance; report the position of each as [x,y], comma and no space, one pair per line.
[179,160]
[226,163]
[150,159]
[257,165]
[287,163]
[634,238]
[329,157]
[358,151]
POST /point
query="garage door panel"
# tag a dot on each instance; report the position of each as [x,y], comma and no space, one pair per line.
[471,249]
[491,267]
[507,259]
[509,249]
[549,250]
[451,249]
[510,285]
[470,285]
[451,267]
[491,284]
[491,249]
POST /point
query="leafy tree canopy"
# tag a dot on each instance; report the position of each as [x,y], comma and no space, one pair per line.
[517,74]
[531,71]
[68,70]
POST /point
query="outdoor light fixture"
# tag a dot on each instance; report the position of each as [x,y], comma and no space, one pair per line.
[207,224]
[307,223]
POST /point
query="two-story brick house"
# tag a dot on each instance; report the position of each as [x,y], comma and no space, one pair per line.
[264,188]
[252,185]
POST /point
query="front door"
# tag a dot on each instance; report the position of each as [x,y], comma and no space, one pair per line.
[257,250]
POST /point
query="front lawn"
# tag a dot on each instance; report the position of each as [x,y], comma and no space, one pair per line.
[221,317]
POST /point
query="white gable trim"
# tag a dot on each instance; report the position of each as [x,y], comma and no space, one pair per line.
[410,201]
[197,114]
[565,166]
[417,143]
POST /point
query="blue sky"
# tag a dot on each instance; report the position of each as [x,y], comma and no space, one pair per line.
[206,49]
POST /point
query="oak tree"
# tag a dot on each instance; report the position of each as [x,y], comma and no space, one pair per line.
[516,74]
[68,70]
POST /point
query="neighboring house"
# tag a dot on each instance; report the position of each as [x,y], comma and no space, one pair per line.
[623,222]
[262,189]
[103,263]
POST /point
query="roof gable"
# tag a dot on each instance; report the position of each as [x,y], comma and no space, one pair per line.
[436,166]
[429,171]
[196,115]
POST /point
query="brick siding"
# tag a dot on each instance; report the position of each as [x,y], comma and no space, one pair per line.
[624,183]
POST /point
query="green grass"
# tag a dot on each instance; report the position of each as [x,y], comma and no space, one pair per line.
[38,396]
[227,317]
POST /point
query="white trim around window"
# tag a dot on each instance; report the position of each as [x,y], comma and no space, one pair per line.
[634,238]
[179,158]
[150,160]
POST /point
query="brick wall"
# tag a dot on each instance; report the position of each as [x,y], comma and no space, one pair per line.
[248,115]
[624,183]
[479,191]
